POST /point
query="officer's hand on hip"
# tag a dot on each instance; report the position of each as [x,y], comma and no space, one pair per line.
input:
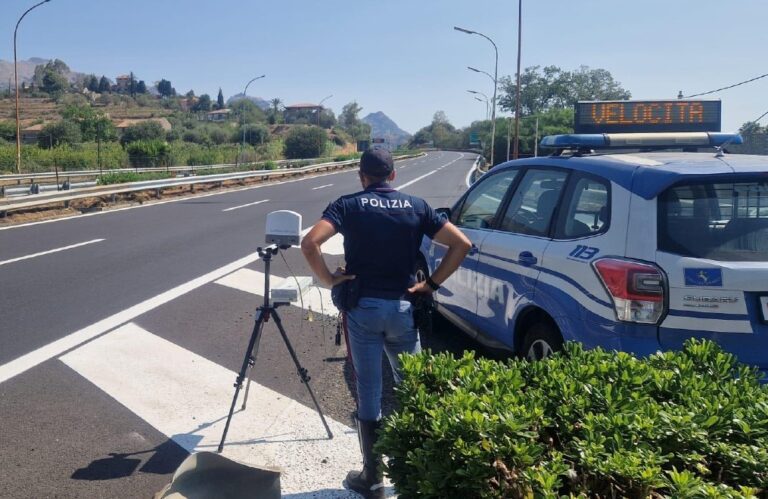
[421,287]
[339,276]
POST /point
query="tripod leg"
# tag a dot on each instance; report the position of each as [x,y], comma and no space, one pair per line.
[253,344]
[303,374]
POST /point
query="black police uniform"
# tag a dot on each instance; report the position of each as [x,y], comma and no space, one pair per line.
[383,229]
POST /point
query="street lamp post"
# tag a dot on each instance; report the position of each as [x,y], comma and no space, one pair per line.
[16,80]
[320,108]
[495,84]
[242,144]
[487,108]
[517,92]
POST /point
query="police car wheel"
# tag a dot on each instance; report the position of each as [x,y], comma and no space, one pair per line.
[541,341]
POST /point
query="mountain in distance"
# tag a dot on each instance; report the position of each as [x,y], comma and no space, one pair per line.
[27,71]
[263,104]
[382,126]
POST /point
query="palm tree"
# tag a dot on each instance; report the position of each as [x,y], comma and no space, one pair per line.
[276,104]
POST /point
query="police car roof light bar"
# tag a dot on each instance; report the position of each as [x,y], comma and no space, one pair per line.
[639,140]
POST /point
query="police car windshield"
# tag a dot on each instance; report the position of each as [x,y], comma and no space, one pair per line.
[715,220]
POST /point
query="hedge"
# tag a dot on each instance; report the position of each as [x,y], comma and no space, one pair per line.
[692,423]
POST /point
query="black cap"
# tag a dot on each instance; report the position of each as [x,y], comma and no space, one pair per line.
[377,163]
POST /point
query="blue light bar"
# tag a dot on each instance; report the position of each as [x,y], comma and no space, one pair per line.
[639,140]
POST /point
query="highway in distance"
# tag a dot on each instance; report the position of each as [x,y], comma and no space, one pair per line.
[121,333]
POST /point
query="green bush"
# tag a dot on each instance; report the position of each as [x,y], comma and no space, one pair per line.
[692,423]
[147,130]
[149,153]
[305,142]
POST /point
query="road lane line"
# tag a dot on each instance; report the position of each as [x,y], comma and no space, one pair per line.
[321,187]
[186,397]
[428,174]
[246,205]
[64,248]
[72,340]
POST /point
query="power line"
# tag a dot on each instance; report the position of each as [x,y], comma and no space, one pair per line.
[728,87]
[761,117]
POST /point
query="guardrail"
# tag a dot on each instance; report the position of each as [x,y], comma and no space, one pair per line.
[34,183]
[65,197]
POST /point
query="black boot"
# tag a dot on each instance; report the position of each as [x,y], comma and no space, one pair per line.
[369,482]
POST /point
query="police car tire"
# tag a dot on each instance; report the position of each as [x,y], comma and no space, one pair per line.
[544,338]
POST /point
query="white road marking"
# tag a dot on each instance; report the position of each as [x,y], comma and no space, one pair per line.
[56,348]
[246,205]
[189,400]
[428,174]
[321,187]
[71,246]
[316,299]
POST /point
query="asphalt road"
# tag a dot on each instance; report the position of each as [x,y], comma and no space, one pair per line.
[116,327]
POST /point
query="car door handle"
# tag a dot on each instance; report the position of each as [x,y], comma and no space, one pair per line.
[526,258]
[473,250]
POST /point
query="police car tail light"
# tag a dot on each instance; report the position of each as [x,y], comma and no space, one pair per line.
[637,289]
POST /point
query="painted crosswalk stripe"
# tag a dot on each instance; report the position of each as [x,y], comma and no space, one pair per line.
[317,299]
[189,400]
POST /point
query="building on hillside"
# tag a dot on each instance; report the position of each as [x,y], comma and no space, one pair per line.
[31,134]
[187,103]
[218,115]
[123,83]
[121,125]
[302,112]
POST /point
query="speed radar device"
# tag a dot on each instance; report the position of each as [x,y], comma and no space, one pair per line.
[283,228]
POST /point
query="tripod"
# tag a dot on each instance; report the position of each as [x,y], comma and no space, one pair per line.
[265,312]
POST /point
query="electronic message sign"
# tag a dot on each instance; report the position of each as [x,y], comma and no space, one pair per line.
[636,116]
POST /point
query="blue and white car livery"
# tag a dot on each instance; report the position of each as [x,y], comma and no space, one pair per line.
[630,251]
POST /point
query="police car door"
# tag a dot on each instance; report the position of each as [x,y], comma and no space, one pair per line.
[511,254]
[713,245]
[474,216]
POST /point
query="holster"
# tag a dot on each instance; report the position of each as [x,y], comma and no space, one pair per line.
[346,295]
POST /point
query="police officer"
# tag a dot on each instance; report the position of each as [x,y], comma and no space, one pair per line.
[382,229]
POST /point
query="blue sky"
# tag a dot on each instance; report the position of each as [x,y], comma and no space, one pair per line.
[403,57]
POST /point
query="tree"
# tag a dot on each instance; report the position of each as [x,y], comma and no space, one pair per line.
[751,128]
[61,132]
[147,131]
[550,87]
[254,134]
[165,88]
[141,87]
[54,82]
[274,112]
[93,125]
[247,112]
[56,71]
[104,85]
[349,121]
[93,83]
[220,100]
[203,103]
[305,142]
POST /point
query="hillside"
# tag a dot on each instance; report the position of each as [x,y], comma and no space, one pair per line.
[383,127]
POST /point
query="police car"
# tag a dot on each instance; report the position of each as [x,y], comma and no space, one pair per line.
[627,241]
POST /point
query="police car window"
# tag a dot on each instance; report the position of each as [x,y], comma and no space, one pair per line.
[715,220]
[587,211]
[482,203]
[533,204]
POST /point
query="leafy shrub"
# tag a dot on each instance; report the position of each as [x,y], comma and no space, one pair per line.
[305,142]
[254,134]
[149,153]
[692,423]
[58,133]
[146,130]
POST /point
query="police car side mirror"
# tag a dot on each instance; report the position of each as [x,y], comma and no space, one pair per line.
[444,213]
